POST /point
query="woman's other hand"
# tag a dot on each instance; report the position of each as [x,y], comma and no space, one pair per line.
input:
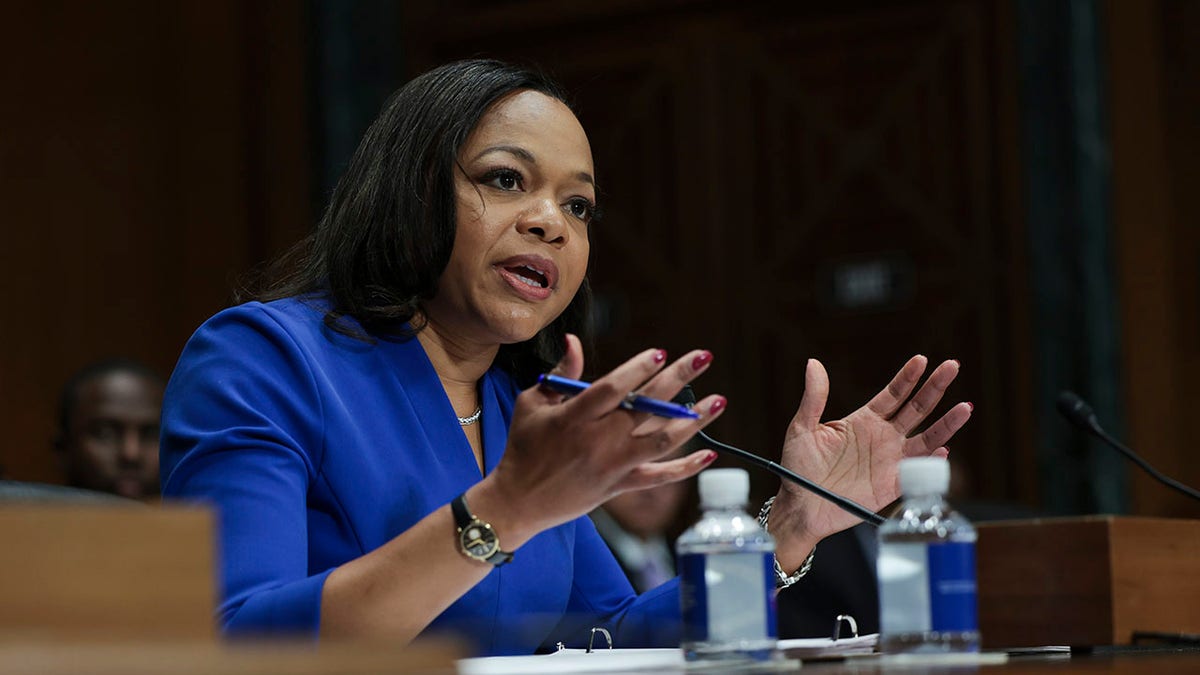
[857,456]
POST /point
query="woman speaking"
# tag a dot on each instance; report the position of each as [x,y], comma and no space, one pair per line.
[370,430]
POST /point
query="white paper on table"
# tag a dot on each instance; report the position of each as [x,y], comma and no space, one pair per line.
[575,661]
[812,648]
[617,660]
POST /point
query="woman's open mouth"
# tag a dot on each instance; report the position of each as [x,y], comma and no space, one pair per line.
[529,275]
[533,277]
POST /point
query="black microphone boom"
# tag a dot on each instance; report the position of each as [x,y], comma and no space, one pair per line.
[688,398]
[848,505]
[1079,413]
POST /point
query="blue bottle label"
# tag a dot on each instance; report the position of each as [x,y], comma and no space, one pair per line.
[693,598]
[952,600]
[727,597]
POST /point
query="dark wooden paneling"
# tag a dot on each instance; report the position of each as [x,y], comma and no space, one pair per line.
[149,154]
[1181,58]
[746,151]
[1155,68]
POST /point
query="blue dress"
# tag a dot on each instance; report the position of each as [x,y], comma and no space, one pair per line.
[316,448]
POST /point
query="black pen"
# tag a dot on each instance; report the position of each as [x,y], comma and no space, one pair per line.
[565,385]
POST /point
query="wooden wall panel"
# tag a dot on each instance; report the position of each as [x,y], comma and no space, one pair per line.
[149,154]
[1181,59]
[1155,69]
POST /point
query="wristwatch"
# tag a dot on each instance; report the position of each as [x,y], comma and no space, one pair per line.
[476,539]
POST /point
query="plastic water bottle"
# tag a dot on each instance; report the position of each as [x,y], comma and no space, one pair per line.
[727,586]
[926,568]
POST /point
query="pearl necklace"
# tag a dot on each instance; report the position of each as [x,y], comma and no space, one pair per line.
[472,418]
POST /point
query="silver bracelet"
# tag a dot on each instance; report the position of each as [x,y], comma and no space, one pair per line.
[782,580]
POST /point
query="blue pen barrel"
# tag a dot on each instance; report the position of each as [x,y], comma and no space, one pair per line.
[635,402]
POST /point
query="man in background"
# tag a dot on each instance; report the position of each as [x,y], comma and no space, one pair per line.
[107,439]
[639,528]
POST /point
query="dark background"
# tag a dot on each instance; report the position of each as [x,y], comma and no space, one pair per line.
[1005,182]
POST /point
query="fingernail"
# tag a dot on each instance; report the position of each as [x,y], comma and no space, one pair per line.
[958,363]
[660,356]
[971,406]
[717,406]
[702,360]
[709,458]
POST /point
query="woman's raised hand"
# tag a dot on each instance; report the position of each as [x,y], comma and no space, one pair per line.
[568,456]
[857,456]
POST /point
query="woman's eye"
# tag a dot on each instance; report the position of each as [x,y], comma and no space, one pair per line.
[582,209]
[503,179]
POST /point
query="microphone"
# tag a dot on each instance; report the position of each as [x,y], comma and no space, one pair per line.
[1079,413]
[687,397]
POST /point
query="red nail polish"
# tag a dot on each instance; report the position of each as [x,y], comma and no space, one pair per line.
[717,406]
[709,458]
[971,405]
[702,360]
[660,356]
[958,363]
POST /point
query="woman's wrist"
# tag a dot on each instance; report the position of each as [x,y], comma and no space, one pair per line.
[491,503]
[793,541]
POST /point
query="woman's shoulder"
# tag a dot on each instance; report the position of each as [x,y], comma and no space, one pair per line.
[300,319]
[293,312]
[254,334]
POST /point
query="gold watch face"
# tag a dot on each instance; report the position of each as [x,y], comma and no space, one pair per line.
[478,540]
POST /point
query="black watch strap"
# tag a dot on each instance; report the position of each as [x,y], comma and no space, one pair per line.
[467,524]
[462,514]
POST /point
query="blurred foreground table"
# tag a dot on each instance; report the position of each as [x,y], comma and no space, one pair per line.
[129,590]
[437,658]
[205,658]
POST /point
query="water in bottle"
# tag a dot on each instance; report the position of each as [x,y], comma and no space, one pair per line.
[926,568]
[727,586]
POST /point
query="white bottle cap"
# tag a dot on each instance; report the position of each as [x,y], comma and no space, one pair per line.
[721,488]
[924,476]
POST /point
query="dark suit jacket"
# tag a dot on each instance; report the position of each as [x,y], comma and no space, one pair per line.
[841,581]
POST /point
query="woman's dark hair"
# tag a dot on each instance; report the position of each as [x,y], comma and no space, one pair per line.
[388,231]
